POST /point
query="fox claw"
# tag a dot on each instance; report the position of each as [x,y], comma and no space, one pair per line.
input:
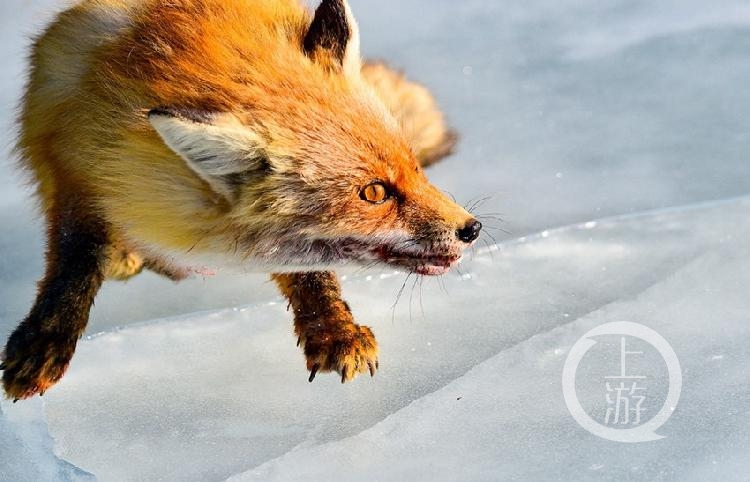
[35,363]
[347,349]
[313,372]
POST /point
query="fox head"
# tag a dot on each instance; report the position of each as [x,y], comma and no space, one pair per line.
[315,170]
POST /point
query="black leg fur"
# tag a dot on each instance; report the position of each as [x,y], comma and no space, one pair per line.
[39,350]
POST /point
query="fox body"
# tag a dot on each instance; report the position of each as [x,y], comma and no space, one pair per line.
[174,134]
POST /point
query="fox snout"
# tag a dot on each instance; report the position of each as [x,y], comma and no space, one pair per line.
[444,221]
[470,232]
[436,235]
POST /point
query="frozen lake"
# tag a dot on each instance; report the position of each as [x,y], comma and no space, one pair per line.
[612,136]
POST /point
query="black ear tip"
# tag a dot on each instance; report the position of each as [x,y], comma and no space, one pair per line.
[330,29]
[335,5]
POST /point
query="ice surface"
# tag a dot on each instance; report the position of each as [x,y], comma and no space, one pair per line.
[27,449]
[206,396]
[505,419]
[569,111]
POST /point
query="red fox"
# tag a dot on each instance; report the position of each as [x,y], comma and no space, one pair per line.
[173,134]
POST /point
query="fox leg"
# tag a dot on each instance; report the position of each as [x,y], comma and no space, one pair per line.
[325,326]
[162,268]
[39,350]
[415,109]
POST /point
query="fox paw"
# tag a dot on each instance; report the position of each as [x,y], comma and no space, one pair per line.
[344,347]
[33,362]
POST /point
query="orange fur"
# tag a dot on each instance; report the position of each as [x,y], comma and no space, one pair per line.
[191,132]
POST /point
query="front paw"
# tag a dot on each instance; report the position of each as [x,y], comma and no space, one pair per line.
[33,361]
[339,345]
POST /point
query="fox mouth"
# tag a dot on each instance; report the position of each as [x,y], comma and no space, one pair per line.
[421,262]
[422,258]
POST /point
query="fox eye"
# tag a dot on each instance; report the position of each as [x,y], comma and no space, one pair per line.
[375,193]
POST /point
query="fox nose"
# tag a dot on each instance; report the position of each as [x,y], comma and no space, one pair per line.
[470,232]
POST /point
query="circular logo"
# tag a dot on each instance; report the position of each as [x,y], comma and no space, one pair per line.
[640,433]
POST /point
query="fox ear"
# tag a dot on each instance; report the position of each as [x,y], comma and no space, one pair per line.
[334,31]
[217,146]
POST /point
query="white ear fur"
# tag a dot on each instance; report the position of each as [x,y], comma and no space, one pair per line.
[214,146]
[353,57]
